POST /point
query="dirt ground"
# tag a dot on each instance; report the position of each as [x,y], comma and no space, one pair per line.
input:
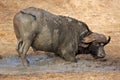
[64,76]
[102,16]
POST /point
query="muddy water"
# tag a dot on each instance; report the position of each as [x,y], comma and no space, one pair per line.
[40,63]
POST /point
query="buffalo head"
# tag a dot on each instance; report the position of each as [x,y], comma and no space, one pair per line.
[94,44]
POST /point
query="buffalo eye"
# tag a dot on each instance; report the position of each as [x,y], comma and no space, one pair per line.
[97,44]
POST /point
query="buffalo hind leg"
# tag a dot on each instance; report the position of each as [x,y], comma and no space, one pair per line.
[19,44]
[23,48]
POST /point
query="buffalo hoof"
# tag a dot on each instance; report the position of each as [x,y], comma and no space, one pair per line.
[25,63]
[69,57]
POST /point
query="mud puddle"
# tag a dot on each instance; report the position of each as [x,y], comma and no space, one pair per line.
[40,63]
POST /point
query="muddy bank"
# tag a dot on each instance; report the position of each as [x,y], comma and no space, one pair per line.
[41,63]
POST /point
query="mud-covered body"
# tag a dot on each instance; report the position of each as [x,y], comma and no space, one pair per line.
[45,31]
[49,30]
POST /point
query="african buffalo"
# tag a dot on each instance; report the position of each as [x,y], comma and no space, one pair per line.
[65,36]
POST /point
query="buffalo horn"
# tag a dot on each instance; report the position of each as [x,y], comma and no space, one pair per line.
[107,41]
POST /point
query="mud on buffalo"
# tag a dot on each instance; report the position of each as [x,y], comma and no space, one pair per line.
[65,36]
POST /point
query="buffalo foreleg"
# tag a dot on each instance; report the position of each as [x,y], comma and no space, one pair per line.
[67,55]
